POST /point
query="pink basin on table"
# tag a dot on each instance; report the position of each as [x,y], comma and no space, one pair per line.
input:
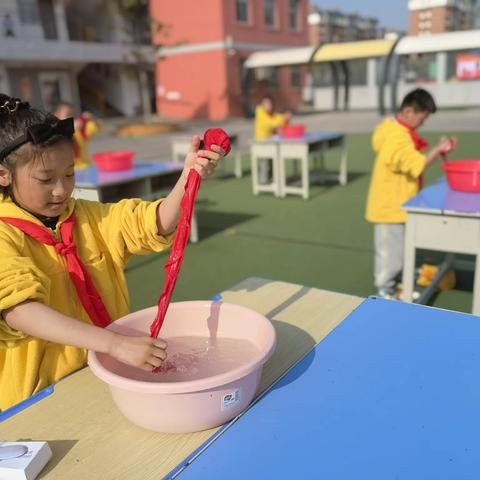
[198,404]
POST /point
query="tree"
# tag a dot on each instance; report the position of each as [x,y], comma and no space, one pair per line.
[138,25]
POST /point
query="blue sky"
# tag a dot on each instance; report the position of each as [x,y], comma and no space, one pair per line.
[390,13]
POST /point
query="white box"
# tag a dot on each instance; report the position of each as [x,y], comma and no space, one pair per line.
[29,465]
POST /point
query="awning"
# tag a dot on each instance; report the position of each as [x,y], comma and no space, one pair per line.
[440,42]
[352,50]
[281,57]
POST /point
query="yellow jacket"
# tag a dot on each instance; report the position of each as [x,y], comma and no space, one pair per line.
[82,158]
[395,173]
[106,236]
[266,124]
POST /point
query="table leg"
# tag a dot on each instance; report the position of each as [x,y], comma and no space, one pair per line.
[194,229]
[476,287]
[238,164]
[254,167]
[305,175]
[277,175]
[343,164]
[408,261]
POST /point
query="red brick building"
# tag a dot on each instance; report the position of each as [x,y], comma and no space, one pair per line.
[438,16]
[199,68]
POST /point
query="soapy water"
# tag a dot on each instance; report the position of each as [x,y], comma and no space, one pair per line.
[191,358]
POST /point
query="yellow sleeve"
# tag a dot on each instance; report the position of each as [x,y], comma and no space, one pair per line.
[91,129]
[128,226]
[404,158]
[20,280]
[265,124]
[270,121]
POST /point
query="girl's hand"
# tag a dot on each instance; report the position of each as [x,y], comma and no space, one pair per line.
[203,161]
[142,352]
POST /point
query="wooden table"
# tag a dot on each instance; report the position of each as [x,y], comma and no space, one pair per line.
[442,219]
[89,437]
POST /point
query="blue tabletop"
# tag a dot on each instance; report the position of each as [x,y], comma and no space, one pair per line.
[309,137]
[391,393]
[91,177]
[439,198]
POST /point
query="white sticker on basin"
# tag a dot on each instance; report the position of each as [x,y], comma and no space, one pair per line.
[230,399]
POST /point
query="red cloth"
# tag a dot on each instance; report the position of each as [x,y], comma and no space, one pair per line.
[419,142]
[213,136]
[88,294]
[216,136]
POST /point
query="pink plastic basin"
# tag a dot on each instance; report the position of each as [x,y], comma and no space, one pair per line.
[114,160]
[293,131]
[199,404]
[463,175]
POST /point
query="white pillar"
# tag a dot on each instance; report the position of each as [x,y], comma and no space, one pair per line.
[61,20]
[441,67]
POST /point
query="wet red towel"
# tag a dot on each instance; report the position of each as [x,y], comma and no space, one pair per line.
[213,136]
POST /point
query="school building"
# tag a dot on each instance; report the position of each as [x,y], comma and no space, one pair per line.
[204,46]
[82,52]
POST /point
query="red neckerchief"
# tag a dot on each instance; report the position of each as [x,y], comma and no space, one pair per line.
[88,294]
[419,142]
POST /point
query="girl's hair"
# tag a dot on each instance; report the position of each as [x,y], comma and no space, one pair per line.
[16,117]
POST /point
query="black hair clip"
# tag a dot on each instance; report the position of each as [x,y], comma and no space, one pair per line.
[40,133]
[12,105]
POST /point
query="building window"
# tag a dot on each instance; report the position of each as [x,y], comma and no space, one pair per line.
[242,11]
[269,13]
[295,77]
[28,11]
[268,76]
[293,14]
[358,72]
[419,68]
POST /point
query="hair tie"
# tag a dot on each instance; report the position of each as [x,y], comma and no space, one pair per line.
[12,105]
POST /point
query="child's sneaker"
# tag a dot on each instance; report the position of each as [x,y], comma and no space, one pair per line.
[399,294]
[387,293]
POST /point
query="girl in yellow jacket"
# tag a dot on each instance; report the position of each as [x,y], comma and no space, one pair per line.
[62,260]
[396,177]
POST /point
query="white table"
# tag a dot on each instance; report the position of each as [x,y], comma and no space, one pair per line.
[441,219]
[302,149]
[181,146]
[143,180]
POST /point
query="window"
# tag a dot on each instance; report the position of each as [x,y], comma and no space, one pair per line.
[295,77]
[269,13]
[293,14]
[322,75]
[268,75]
[357,72]
[463,65]
[419,68]
[242,11]
[28,11]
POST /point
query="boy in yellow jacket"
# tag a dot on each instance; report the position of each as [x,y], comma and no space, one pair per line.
[397,177]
